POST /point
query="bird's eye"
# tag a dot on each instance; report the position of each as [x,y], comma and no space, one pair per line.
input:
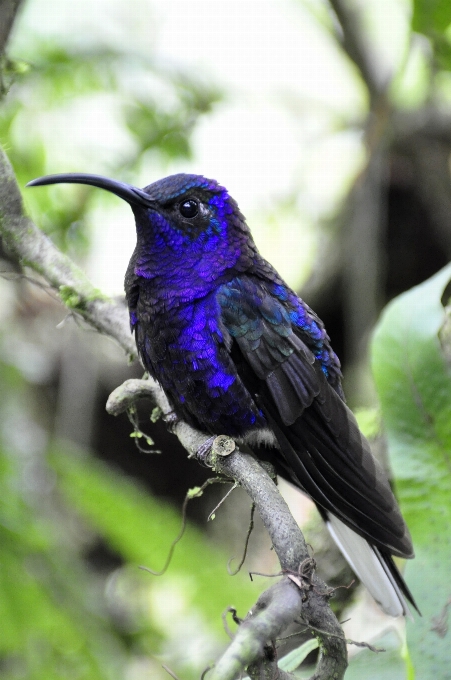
[189,208]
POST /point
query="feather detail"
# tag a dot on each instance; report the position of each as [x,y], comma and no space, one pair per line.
[374,569]
[331,487]
[321,448]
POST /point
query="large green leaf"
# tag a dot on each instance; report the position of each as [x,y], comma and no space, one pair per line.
[386,665]
[414,385]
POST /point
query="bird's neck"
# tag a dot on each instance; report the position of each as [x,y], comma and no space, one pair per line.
[173,283]
[174,276]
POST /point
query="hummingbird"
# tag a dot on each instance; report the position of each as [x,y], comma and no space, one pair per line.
[238,353]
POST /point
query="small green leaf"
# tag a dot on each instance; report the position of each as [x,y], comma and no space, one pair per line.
[293,660]
[70,297]
[195,492]
[156,414]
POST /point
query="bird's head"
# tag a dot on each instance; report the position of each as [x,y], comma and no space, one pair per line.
[186,225]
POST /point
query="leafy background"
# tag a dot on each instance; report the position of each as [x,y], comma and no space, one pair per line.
[330,123]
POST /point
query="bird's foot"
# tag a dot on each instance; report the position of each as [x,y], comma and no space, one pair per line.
[204,450]
[171,419]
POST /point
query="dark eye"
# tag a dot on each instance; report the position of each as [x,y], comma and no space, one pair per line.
[189,208]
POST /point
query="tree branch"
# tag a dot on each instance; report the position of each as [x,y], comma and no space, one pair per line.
[30,247]
[303,594]
[8,12]
[357,47]
[300,593]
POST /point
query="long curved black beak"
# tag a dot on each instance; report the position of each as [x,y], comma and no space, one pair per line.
[127,192]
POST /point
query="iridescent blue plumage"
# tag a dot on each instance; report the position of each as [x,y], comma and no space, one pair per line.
[239,353]
[193,286]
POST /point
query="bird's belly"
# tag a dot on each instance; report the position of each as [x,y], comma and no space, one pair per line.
[207,393]
[212,399]
[187,352]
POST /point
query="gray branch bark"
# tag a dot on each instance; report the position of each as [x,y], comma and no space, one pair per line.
[300,594]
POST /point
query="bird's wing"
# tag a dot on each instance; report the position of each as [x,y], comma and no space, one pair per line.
[132,292]
[323,449]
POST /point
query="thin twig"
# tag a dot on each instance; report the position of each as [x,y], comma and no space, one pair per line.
[260,573]
[246,545]
[209,667]
[348,641]
[171,673]
[224,498]
[192,493]
[235,617]
[138,434]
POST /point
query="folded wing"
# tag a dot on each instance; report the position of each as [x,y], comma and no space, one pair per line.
[321,447]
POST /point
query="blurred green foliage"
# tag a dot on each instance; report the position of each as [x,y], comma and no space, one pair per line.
[50,628]
[388,664]
[57,619]
[131,522]
[433,19]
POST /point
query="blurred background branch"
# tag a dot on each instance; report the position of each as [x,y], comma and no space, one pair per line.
[8,11]
[351,19]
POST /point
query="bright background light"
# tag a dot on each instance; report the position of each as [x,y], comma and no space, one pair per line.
[289,125]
